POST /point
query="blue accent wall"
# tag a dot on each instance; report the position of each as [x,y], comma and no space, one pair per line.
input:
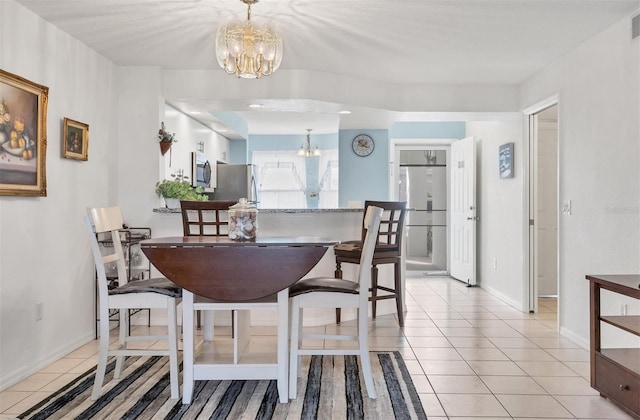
[290,142]
[237,151]
[363,178]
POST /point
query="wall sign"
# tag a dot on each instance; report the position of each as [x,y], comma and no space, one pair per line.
[505,160]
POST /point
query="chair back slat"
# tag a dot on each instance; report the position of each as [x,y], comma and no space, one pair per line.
[371,226]
[205,218]
[391,224]
[106,223]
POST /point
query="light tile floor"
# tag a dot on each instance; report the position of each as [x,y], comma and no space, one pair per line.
[469,353]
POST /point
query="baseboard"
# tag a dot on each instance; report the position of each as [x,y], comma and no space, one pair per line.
[579,340]
[502,296]
[13,378]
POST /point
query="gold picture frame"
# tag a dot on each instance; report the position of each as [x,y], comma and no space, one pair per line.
[23,136]
[75,140]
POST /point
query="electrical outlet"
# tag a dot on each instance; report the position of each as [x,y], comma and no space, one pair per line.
[566,207]
[495,263]
[39,306]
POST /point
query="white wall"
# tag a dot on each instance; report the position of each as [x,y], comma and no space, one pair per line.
[599,92]
[44,254]
[500,204]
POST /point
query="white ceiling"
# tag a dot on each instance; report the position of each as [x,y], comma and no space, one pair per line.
[408,42]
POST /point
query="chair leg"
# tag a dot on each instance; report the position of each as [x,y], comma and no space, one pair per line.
[187,346]
[125,332]
[102,358]
[374,290]
[338,275]
[172,322]
[363,346]
[398,293]
[294,359]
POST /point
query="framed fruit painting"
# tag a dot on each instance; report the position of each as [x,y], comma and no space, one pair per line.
[23,136]
[75,140]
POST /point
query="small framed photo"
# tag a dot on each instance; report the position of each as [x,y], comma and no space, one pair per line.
[75,142]
[505,158]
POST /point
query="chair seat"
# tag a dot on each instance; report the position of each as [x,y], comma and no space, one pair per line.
[323,284]
[350,252]
[162,286]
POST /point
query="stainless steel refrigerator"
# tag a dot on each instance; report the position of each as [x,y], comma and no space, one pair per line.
[235,182]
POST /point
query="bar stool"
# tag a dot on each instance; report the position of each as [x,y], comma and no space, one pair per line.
[206,218]
[388,251]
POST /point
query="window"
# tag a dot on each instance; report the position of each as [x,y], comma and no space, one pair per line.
[328,182]
[282,179]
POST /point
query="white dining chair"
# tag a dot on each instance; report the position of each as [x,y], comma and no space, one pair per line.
[327,292]
[159,293]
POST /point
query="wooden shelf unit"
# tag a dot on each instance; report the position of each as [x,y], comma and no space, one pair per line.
[615,372]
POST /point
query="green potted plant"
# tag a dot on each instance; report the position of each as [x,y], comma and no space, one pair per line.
[178,188]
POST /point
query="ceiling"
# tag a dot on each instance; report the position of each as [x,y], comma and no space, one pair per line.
[408,42]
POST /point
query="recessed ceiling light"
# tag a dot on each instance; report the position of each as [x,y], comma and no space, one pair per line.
[344,112]
[255,106]
[195,112]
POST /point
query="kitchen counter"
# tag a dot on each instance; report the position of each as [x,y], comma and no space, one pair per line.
[340,210]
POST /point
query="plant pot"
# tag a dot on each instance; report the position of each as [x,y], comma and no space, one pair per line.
[172,203]
[164,147]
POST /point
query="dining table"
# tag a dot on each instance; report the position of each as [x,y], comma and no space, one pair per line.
[235,275]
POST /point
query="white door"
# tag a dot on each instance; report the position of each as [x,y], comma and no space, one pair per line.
[463,210]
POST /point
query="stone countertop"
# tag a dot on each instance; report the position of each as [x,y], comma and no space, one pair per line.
[340,210]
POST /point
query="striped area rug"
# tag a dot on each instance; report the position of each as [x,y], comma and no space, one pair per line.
[331,387]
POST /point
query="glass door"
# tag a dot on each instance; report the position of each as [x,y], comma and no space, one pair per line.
[423,184]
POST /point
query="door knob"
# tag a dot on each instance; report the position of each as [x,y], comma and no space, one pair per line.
[624,388]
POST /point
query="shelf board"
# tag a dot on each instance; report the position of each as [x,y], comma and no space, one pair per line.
[629,358]
[629,323]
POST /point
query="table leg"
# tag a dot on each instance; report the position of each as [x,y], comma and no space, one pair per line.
[188,353]
[207,324]
[283,347]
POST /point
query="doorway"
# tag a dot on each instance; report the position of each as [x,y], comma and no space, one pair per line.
[543,209]
[422,183]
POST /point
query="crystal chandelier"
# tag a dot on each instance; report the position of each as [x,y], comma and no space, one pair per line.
[248,49]
[306,151]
